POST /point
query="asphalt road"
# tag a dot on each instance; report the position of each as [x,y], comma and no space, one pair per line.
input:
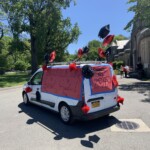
[34,128]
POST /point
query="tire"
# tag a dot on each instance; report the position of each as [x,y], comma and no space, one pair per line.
[65,114]
[26,99]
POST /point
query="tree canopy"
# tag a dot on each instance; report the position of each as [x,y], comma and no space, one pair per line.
[141,9]
[42,20]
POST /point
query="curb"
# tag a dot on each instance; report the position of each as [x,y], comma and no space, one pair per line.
[9,88]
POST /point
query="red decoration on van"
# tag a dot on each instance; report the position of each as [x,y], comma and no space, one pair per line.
[108,40]
[44,67]
[120,99]
[52,56]
[73,66]
[114,80]
[85,109]
[80,53]
[28,89]
[101,53]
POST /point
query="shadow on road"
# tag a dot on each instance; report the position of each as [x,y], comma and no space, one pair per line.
[140,87]
[51,122]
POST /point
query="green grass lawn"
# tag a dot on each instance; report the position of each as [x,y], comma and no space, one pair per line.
[13,79]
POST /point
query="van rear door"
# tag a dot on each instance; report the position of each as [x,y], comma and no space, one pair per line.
[99,90]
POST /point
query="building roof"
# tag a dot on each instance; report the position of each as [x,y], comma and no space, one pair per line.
[121,44]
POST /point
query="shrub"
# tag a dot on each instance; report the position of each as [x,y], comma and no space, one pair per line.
[21,65]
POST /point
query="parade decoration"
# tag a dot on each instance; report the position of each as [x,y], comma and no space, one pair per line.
[85,109]
[107,41]
[120,99]
[52,57]
[114,80]
[104,31]
[44,67]
[73,66]
[80,53]
[101,53]
[85,50]
[46,58]
[87,71]
[28,89]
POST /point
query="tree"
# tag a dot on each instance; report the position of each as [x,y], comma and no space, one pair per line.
[42,20]
[120,37]
[141,8]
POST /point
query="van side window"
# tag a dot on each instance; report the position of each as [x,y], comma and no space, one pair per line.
[37,78]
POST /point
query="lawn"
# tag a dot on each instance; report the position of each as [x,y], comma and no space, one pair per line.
[13,79]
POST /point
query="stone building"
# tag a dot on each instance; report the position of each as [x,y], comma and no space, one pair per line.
[121,50]
[140,46]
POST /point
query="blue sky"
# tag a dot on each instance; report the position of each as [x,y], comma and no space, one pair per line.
[91,15]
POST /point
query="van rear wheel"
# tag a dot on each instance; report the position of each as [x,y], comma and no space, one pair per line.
[26,99]
[65,114]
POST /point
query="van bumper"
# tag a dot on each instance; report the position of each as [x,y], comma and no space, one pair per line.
[90,116]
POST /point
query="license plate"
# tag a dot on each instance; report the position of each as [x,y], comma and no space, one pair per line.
[95,104]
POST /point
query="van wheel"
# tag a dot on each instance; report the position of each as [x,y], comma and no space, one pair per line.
[65,114]
[26,99]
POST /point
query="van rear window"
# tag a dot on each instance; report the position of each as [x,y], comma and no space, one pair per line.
[102,80]
[62,82]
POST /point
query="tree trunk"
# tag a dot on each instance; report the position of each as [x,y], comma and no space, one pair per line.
[34,61]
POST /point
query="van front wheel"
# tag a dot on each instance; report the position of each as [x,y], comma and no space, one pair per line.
[65,114]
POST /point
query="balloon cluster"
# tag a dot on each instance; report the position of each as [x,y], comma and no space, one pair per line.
[48,58]
[105,50]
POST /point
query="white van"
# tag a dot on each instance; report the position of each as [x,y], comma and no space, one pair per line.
[87,92]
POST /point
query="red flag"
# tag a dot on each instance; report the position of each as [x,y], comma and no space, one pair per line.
[52,56]
[80,53]
[101,53]
[108,40]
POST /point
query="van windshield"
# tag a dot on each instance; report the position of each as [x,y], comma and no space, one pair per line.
[102,80]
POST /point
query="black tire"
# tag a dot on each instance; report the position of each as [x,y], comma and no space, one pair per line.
[65,114]
[25,99]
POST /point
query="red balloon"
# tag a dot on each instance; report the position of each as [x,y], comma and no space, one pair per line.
[108,40]
[52,56]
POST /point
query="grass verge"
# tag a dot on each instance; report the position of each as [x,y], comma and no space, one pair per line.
[13,79]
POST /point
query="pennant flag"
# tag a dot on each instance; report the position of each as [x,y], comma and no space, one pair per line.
[101,53]
[52,56]
[80,53]
[107,41]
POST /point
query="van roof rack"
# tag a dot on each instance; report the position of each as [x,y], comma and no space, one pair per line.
[78,62]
